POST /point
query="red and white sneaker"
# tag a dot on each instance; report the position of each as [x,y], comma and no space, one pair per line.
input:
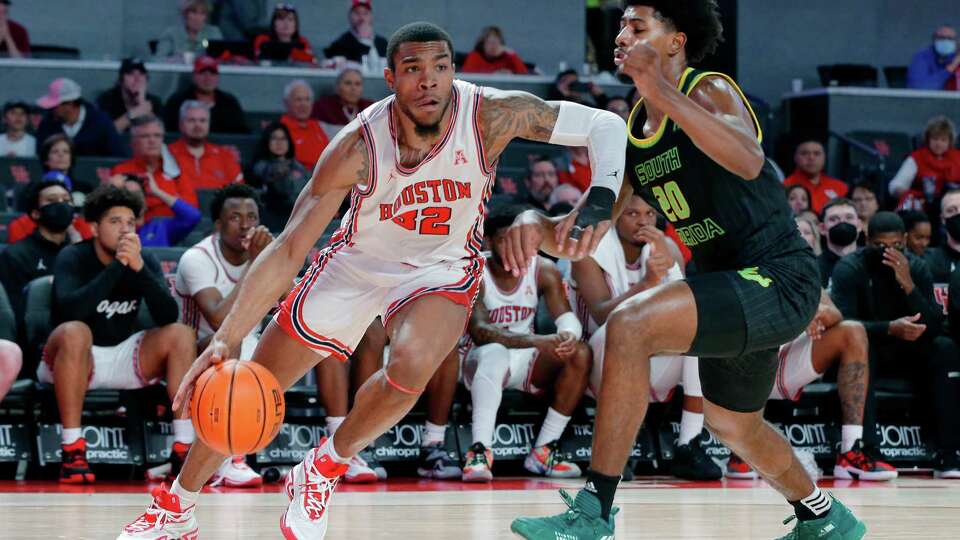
[479,461]
[164,519]
[309,486]
[547,460]
[739,469]
[171,469]
[358,472]
[74,468]
[858,465]
[235,473]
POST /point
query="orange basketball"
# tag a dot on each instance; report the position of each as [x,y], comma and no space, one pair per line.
[237,407]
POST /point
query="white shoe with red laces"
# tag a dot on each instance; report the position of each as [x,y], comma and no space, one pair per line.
[859,465]
[164,519]
[310,485]
[235,473]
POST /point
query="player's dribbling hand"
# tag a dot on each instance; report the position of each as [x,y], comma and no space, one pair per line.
[521,242]
[215,353]
[642,64]
[906,328]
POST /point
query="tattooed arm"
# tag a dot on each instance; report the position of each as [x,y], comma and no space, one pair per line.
[343,164]
[483,331]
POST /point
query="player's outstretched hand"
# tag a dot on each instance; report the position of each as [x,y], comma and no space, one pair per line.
[520,245]
[215,353]
[574,242]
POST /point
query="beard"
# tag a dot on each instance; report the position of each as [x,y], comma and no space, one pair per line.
[422,129]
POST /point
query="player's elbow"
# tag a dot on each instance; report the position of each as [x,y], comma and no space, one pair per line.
[752,163]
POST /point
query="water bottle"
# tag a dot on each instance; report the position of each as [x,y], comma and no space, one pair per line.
[274,473]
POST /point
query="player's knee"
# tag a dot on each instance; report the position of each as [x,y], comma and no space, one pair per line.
[582,359]
[732,427]
[492,360]
[631,327]
[73,335]
[11,359]
[855,337]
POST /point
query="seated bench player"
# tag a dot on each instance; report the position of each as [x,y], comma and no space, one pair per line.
[506,353]
[98,287]
[207,278]
[632,257]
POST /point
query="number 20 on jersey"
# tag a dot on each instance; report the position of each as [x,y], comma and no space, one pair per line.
[672,201]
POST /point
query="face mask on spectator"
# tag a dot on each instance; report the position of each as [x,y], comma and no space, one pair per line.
[945,47]
[842,234]
[56,216]
[953,226]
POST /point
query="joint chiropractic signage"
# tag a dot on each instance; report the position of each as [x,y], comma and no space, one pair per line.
[14,443]
[105,444]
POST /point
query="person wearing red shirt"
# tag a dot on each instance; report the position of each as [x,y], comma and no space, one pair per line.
[490,55]
[578,171]
[23,226]
[147,143]
[810,159]
[14,39]
[931,170]
[309,139]
[203,165]
[285,29]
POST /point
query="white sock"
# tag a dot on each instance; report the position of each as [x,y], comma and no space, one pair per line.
[183,431]
[817,502]
[552,428]
[848,436]
[333,424]
[691,425]
[329,450]
[493,366]
[433,434]
[187,498]
[70,435]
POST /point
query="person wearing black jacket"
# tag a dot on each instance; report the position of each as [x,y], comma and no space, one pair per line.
[226,113]
[360,40]
[98,288]
[944,259]
[891,293]
[840,227]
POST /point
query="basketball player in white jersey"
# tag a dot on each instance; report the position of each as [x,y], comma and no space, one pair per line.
[207,278]
[632,257]
[829,341]
[418,167]
[505,352]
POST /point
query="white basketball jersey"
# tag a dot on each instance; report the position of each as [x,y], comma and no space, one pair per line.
[200,267]
[516,310]
[432,212]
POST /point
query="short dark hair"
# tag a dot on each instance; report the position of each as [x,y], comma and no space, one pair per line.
[540,158]
[10,105]
[109,196]
[698,19]
[52,141]
[233,191]
[500,217]
[863,185]
[416,32]
[885,222]
[263,146]
[839,201]
[912,218]
[32,195]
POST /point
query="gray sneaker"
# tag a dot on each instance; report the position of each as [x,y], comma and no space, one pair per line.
[436,463]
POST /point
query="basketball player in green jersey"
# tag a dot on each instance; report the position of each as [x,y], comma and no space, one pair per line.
[694,153]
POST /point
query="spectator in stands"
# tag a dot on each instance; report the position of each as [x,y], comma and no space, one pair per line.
[563,194]
[809,230]
[360,40]
[309,139]
[15,141]
[90,129]
[240,20]
[930,170]
[935,67]
[128,98]
[226,114]
[203,165]
[97,289]
[841,226]
[542,179]
[56,154]
[283,42]
[798,198]
[192,35]
[161,231]
[577,172]
[917,226]
[944,259]
[148,160]
[810,159]
[31,257]
[865,200]
[342,107]
[891,293]
[23,226]
[568,87]
[619,106]
[491,55]
[14,39]
[11,360]
[208,278]
[277,174]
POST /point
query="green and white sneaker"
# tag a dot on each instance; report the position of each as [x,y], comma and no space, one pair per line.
[838,524]
[581,521]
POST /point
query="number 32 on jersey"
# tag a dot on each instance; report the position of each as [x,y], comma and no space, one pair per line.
[672,201]
[431,220]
